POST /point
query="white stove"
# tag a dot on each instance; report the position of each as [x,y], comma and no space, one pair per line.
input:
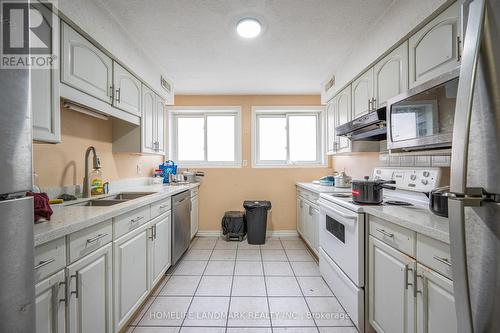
[342,233]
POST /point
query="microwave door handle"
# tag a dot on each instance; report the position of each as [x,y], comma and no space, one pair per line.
[465,92]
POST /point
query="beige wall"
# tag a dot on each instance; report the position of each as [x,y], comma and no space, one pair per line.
[62,164]
[225,189]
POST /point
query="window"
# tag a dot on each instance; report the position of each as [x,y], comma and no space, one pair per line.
[287,136]
[205,136]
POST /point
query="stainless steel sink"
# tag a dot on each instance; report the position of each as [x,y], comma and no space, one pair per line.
[99,203]
[127,196]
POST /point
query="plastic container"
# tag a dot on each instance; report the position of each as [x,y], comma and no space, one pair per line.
[233,226]
[256,218]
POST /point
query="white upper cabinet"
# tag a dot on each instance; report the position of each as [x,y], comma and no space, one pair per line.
[362,94]
[435,49]
[148,122]
[330,127]
[45,93]
[391,75]
[50,304]
[85,67]
[160,135]
[90,293]
[128,92]
[344,115]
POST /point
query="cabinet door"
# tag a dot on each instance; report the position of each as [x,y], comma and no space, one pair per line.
[308,227]
[130,271]
[84,66]
[300,224]
[194,216]
[148,120]
[362,94]
[391,75]
[315,225]
[45,92]
[344,115]
[160,247]
[90,296]
[435,302]
[435,49]
[160,125]
[330,126]
[391,301]
[127,90]
[49,304]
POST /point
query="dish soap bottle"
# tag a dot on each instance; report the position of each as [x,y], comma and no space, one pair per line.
[96,184]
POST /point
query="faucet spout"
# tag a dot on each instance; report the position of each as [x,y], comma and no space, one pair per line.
[96,162]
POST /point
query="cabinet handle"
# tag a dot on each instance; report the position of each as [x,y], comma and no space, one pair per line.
[163,206]
[459,56]
[374,100]
[385,233]
[45,263]
[118,95]
[96,238]
[369,105]
[64,300]
[415,288]
[301,203]
[152,237]
[407,269]
[137,219]
[443,260]
[154,231]
[111,92]
[77,279]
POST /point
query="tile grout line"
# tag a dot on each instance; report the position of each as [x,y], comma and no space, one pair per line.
[231,291]
[265,287]
[303,296]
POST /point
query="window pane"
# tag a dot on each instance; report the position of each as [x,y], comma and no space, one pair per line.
[190,139]
[220,138]
[302,138]
[272,139]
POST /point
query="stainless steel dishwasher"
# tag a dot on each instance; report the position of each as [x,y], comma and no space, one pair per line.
[181,224]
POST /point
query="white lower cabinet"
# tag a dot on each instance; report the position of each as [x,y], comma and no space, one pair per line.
[308,219]
[130,264]
[391,301]
[194,216]
[50,304]
[160,244]
[90,293]
[300,223]
[435,302]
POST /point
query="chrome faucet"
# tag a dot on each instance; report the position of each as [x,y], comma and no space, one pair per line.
[96,165]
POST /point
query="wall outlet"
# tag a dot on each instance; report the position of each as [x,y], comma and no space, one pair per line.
[139,169]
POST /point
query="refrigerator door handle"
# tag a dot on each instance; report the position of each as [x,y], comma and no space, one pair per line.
[463,110]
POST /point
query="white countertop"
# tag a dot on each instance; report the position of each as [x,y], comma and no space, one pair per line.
[68,219]
[321,188]
[416,218]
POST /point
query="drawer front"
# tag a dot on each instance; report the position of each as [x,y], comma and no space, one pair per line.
[398,237]
[90,239]
[194,192]
[50,258]
[131,220]
[434,254]
[160,207]
[308,195]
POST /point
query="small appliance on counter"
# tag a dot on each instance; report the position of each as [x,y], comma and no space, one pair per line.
[342,180]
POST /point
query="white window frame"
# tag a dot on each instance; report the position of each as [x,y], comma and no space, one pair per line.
[204,111]
[286,111]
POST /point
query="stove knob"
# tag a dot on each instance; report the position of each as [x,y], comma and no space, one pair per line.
[426,174]
[413,177]
[425,181]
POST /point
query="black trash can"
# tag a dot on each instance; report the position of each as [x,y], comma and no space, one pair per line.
[256,218]
[233,225]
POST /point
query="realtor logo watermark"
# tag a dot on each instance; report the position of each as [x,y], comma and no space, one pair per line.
[26,35]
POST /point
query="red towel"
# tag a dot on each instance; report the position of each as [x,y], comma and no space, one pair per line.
[41,205]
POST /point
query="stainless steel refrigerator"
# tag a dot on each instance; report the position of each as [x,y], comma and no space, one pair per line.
[17,285]
[474,214]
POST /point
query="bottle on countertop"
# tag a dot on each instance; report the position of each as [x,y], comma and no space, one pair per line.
[96,183]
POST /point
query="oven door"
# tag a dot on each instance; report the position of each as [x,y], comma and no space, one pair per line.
[341,236]
[423,116]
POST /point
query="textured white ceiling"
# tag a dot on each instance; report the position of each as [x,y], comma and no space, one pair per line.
[195,43]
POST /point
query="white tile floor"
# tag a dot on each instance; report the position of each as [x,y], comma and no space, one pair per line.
[231,287]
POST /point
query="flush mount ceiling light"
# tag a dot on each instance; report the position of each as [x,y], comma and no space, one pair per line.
[248,28]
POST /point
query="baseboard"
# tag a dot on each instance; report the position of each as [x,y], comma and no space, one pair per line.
[269,233]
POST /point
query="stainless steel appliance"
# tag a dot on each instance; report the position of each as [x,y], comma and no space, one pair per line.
[422,117]
[369,127]
[17,281]
[342,232]
[475,174]
[181,224]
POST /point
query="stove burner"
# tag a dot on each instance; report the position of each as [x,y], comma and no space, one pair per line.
[397,203]
[366,204]
[341,195]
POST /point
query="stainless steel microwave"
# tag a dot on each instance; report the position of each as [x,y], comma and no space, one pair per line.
[422,117]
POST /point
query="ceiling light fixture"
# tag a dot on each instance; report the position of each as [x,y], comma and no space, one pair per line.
[248,28]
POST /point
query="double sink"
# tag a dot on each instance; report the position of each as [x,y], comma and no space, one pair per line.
[113,199]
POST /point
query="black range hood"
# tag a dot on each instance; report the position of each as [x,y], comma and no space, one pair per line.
[370,127]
